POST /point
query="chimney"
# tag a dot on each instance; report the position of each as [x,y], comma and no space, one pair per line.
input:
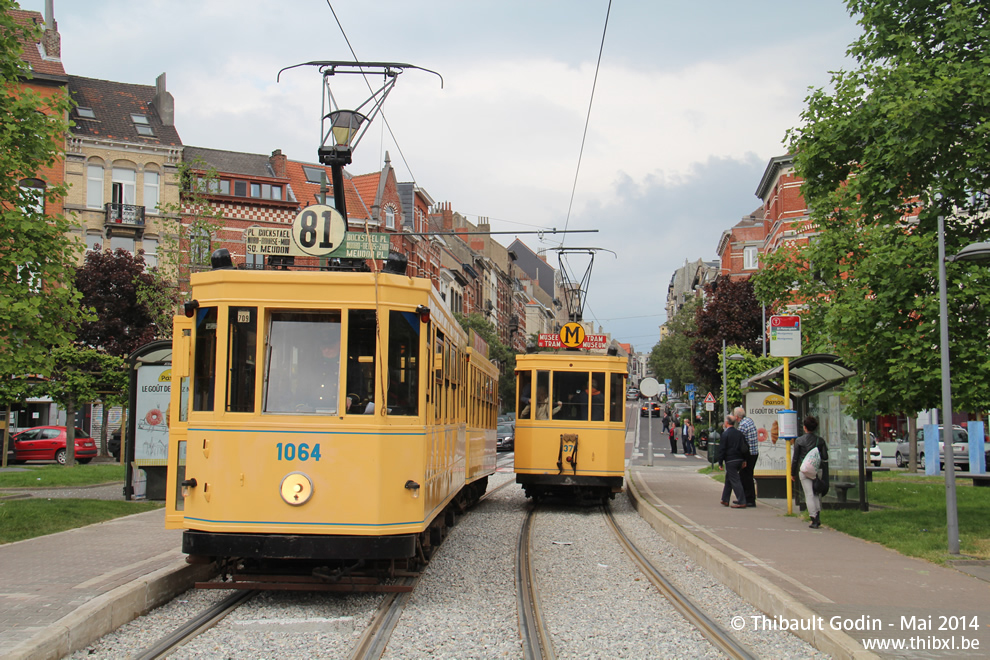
[163,102]
[50,39]
[278,161]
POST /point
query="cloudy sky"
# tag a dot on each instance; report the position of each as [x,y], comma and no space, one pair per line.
[692,100]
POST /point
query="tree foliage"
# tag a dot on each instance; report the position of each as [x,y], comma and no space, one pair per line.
[670,359]
[896,143]
[38,304]
[80,375]
[110,283]
[497,352]
[732,314]
[737,370]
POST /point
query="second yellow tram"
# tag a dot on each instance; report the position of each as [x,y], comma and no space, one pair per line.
[570,424]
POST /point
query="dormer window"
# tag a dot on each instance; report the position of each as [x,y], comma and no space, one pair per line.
[85,113]
[314,174]
[142,125]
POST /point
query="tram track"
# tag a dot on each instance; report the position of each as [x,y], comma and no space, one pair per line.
[536,640]
[710,630]
[199,624]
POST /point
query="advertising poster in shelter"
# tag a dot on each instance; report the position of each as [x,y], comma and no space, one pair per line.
[154,387]
[763,407]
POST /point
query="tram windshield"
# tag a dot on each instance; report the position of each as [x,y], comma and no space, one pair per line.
[581,394]
[303,364]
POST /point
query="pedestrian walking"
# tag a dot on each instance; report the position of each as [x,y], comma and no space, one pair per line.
[747,427]
[809,462]
[687,437]
[732,453]
[673,438]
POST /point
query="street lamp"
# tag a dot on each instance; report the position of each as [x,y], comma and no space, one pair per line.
[973,252]
[725,395]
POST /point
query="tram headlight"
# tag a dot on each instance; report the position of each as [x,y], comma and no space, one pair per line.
[296,488]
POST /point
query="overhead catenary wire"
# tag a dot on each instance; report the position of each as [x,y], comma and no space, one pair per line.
[587,118]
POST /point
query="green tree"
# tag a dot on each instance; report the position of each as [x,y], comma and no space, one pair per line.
[737,370]
[497,352]
[732,314]
[38,304]
[671,357]
[186,246]
[77,376]
[893,145]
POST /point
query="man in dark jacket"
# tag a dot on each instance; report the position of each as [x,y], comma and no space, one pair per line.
[733,451]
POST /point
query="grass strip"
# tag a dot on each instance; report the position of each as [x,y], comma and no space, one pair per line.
[28,518]
[55,476]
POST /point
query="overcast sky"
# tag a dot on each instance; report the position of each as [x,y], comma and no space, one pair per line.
[692,100]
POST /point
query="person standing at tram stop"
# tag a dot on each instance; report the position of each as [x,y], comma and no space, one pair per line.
[542,405]
[747,427]
[733,452]
[804,446]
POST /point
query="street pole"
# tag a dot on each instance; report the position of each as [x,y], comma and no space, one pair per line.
[951,515]
[725,400]
[787,443]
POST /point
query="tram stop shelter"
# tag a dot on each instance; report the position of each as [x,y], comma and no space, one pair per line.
[816,389]
[145,443]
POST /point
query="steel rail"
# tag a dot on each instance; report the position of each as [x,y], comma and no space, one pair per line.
[535,637]
[708,628]
[202,622]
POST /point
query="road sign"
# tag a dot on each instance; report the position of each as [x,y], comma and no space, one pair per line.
[649,387]
[709,406]
[710,398]
[572,335]
[689,387]
[317,231]
[785,336]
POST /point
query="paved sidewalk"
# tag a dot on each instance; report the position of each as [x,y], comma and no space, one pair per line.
[62,591]
[786,569]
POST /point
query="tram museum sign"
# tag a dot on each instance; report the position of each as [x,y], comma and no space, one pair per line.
[317,231]
[572,335]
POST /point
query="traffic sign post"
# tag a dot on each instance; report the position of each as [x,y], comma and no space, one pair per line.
[649,387]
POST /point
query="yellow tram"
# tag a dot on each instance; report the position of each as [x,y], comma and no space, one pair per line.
[570,424]
[324,416]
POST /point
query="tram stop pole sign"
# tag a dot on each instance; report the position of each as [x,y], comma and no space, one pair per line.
[785,336]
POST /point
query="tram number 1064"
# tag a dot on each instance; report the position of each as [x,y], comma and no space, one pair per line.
[291,452]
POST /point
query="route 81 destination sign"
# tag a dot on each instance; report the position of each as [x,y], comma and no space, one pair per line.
[317,231]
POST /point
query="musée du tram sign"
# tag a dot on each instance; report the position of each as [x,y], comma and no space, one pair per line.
[572,335]
[317,231]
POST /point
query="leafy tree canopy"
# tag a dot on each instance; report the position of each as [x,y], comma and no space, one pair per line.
[38,305]
[497,352]
[896,143]
[732,314]
[110,283]
[671,357]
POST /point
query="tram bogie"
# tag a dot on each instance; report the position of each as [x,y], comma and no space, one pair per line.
[570,425]
[324,417]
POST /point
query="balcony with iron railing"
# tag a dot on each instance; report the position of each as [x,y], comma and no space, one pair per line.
[126,215]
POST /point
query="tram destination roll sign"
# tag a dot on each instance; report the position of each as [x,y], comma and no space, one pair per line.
[317,231]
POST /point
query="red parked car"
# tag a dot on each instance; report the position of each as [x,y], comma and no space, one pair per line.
[47,443]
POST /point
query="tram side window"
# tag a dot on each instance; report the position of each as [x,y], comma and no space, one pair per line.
[205,358]
[571,389]
[617,404]
[524,393]
[438,394]
[403,363]
[598,397]
[362,329]
[303,370]
[242,337]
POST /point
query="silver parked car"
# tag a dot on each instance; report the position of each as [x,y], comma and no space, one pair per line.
[960,448]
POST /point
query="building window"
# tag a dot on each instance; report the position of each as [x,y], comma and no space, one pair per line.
[150,246]
[124,186]
[94,186]
[85,113]
[751,258]
[141,125]
[389,217]
[240,189]
[199,247]
[314,174]
[122,243]
[33,195]
[255,190]
[151,192]
[93,242]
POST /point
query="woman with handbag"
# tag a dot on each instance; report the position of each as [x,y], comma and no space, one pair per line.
[805,464]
